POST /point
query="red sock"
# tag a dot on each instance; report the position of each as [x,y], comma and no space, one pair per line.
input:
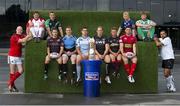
[117,64]
[10,82]
[133,68]
[16,75]
[127,68]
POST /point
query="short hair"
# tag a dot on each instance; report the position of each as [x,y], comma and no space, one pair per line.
[100,27]
[69,27]
[163,31]
[113,28]
[35,12]
[143,13]
[84,27]
[54,29]
[125,13]
[51,12]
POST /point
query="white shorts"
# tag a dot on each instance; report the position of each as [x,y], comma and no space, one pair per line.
[14,60]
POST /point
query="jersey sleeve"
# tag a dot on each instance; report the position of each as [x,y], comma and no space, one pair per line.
[165,41]
[78,43]
[47,23]
[48,43]
[122,24]
[121,39]
[135,40]
[59,24]
[61,43]
[106,41]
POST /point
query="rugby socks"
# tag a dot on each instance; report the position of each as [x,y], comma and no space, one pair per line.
[64,70]
[46,69]
[60,69]
[78,68]
[133,68]
[74,70]
[127,68]
[14,77]
[118,62]
[11,76]
[107,69]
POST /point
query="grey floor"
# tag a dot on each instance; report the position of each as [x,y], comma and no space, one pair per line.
[161,98]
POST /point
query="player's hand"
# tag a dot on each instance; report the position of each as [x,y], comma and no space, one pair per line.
[124,54]
[133,55]
[115,54]
[103,56]
[59,55]
[68,53]
[156,39]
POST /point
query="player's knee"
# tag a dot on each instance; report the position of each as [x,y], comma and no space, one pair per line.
[107,59]
[73,59]
[96,57]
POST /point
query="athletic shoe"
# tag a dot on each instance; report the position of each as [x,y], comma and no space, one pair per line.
[45,76]
[59,77]
[118,75]
[65,81]
[38,39]
[172,86]
[15,89]
[114,74]
[72,81]
[107,79]
[131,79]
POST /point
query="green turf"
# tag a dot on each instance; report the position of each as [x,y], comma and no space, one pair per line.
[90,19]
[145,75]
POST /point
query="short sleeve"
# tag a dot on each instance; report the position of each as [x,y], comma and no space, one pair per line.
[48,43]
[106,41]
[59,24]
[61,43]
[121,39]
[135,40]
[165,41]
[122,24]
[47,23]
[78,42]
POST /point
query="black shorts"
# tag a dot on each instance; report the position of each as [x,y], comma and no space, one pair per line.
[168,63]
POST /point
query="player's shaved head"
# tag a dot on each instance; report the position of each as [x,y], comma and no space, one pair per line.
[19,30]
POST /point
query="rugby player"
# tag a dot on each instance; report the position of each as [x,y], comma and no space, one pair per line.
[167,55]
[127,22]
[128,50]
[69,41]
[101,50]
[55,49]
[14,57]
[35,27]
[114,50]
[145,28]
[52,22]
[82,47]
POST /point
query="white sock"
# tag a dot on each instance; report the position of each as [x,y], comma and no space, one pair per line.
[41,30]
[78,68]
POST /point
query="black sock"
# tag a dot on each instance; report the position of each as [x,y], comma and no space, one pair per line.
[65,70]
[60,69]
[107,69]
[74,70]
[46,69]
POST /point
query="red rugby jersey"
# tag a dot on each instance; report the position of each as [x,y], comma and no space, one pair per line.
[128,42]
[15,47]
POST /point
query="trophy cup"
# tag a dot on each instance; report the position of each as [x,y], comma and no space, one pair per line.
[91,50]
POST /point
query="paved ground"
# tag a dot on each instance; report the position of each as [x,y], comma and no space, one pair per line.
[162,98]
